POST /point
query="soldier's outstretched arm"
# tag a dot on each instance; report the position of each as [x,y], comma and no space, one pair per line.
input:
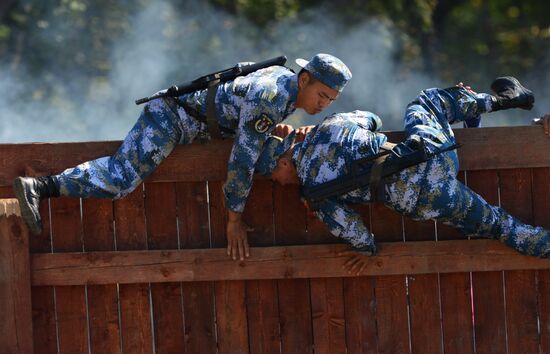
[545,122]
[346,223]
[254,127]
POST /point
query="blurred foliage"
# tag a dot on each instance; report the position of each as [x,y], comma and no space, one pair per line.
[445,38]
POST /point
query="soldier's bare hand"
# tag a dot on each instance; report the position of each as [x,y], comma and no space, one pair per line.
[467,87]
[545,121]
[237,239]
[302,132]
[282,130]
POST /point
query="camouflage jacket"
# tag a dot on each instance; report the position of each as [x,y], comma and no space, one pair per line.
[250,105]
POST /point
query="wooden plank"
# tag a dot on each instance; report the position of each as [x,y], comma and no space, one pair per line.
[262,303]
[186,163]
[391,314]
[297,334]
[520,286]
[424,302]
[391,293]
[282,262]
[43,297]
[318,230]
[232,326]
[72,324]
[360,309]
[43,303]
[218,214]
[98,235]
[327,312]
[160,211]
[135,310]
[231,316]
[198,297]
[295,316]
[360,305]
[456,311]
[456,300]
[386,224]
[7,192]
[15,281]
[262,300]
[479,146]
[541,217]
[489,318]
[258,214]
[487,287]
[290,216]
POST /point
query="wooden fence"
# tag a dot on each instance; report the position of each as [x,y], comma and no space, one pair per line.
[146,274]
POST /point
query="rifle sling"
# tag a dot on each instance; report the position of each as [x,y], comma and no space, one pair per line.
[377,189]
[211,120]
[375,177]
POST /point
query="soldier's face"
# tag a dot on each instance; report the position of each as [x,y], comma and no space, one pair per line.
[313,95]
[285,172]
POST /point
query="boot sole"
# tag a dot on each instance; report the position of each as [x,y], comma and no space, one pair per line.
[26,212]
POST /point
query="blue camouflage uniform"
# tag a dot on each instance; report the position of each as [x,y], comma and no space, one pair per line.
[249,107]
[426,191]
[266,96]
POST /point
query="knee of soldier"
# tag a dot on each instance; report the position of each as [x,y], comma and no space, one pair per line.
[156,105]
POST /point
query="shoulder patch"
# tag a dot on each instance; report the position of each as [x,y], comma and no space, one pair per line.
[263,123]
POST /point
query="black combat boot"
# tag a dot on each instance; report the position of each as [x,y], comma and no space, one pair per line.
[510,93]
[30,191]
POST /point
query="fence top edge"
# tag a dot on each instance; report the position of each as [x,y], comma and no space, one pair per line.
[483,149]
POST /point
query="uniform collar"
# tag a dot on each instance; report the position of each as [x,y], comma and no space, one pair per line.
[292,89]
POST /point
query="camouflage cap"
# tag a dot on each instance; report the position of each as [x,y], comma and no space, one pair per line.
[328,69]
[273,148]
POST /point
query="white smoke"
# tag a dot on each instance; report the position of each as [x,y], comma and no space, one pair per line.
[166,45]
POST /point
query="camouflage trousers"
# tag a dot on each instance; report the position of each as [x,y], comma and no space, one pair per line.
[161,126]
[439,195]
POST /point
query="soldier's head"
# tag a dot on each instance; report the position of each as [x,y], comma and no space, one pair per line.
[276,161]
[320,82]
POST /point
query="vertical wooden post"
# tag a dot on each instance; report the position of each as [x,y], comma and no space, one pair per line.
[15,281]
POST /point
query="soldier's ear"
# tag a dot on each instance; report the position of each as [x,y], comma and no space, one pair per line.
[303,79]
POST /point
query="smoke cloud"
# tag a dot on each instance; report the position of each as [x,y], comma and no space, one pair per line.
[166,45]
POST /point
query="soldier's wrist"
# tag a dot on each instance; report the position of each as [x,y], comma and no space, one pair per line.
[233,216]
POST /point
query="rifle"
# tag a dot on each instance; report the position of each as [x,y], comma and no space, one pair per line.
[224,75]
[360,174]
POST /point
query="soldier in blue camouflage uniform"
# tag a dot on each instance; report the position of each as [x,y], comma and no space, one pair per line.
[428,190]
[250,106]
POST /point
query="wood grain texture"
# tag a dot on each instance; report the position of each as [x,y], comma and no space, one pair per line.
[281,262]
[487,286]
[166,298]
[541,217]
[135,309]
[98,235]
[483,148]
[520,285]
[15,286]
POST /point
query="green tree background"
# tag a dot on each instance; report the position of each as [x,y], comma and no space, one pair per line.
[72,68]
